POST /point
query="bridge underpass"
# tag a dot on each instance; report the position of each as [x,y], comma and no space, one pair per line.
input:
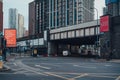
[90,40]
[74,45]
[74,39]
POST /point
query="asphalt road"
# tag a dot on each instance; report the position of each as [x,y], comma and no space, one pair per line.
[61,68]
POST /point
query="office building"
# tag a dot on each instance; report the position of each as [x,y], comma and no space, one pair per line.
[13,19]
[113,7]
[31,18]
[20,25]
[50,14]
[1,15]
[26,33]
[105,10]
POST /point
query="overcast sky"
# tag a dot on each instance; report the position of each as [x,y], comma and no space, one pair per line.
[22,7]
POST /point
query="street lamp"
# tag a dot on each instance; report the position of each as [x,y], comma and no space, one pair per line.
[97,32]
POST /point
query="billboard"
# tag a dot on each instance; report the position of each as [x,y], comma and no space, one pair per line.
[10,36]
[110,1]
[104,23]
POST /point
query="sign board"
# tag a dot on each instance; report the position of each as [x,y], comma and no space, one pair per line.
[10,36]
[104,23]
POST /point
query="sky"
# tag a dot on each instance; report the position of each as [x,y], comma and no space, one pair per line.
[22,7]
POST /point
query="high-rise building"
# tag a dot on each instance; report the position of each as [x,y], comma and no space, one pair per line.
[105,11]
[32,18]
[26,33]
[50,14]
[113,7]
[20,25]
[13,19]
[1,15]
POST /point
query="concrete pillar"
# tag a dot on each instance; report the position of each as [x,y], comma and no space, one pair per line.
[52,48]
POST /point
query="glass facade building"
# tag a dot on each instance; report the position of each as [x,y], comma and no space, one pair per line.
[113,7]
[13,19]
[51,14]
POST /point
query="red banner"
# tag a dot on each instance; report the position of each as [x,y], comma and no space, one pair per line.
[104,23]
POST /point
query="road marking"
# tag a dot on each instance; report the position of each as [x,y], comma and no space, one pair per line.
[84,66]
[74,78]
[66,73]
[15,64]
[30,69]
[51,64]
[80,76]
[42,67]
[19,72]
[17,69]
[87,73]
[118,78]
[102,76]
[55,75]
[108,65]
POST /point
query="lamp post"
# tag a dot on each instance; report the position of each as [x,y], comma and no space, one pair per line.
[97,33]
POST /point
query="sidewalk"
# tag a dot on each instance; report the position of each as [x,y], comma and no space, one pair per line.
[112,60]
[5,68]
[115,60]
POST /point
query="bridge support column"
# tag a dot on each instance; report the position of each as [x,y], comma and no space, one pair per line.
[52,49]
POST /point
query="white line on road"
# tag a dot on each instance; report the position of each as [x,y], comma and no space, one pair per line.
[15,64]
[55,75]
[30,69]
[42,67]
[82,75]
[51,64]
[20,72]
[84,66]
[108,65]
[19,69]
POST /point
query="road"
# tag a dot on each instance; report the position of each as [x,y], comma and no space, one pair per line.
[61,68]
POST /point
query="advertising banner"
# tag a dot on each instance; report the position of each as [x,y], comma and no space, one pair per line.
[104,23]
[10,36]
